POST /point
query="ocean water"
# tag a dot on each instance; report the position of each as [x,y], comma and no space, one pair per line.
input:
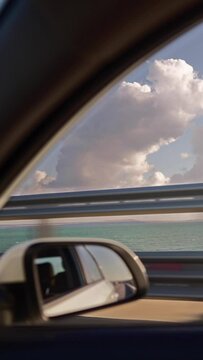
[146,236]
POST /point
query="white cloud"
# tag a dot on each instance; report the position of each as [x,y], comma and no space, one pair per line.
[41,177]
[158,178]
[111,147]
[38,182]
[184,155]
[195,174]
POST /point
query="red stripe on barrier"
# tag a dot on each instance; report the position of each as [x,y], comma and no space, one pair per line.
[165,266]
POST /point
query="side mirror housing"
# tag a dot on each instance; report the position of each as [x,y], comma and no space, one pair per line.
[48,278]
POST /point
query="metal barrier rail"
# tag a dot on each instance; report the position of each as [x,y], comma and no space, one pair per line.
[174,274]
[146,200]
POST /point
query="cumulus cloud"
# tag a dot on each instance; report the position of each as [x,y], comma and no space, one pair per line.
[195,174]
[38,182]
[111,148]
[184,155]
[42,178]
[158,178]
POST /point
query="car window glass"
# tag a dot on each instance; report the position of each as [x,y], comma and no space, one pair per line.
[147,130]
[58,272]
[90,267]
[48,268]
[55,261]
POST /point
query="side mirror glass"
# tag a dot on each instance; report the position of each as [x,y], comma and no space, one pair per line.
[80,277]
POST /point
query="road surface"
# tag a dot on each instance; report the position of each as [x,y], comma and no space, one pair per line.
[154,310]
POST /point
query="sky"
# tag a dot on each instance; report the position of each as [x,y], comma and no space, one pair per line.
[147,130]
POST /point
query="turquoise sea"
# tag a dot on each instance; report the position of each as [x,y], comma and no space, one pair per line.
[146,236]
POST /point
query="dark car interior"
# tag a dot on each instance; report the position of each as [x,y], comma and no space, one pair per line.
[54,283]
[54,58]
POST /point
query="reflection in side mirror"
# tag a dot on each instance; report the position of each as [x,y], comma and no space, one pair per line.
[80,277]
[52,277]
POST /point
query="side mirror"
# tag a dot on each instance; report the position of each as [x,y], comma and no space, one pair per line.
[48,278]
